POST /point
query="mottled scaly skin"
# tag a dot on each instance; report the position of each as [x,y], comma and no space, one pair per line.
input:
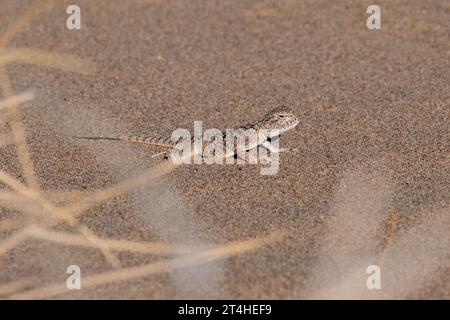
[280,119]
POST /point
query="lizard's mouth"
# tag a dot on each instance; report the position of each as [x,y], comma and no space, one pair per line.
[292,124]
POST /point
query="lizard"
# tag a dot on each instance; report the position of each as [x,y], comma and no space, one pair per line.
[280,119]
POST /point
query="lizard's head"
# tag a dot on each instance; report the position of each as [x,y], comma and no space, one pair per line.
[281,118]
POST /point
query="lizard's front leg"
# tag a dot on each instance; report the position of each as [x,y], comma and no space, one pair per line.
[253,156]
[269,146]
[248,156]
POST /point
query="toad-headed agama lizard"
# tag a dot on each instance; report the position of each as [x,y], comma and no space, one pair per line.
[278,120]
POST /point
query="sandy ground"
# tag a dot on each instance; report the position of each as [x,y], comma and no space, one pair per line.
[369,184]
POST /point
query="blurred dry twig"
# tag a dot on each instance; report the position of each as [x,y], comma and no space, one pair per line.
[28,198]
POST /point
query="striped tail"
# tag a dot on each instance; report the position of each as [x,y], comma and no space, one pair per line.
[159,142]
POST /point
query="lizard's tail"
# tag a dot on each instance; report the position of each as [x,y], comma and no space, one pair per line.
[157,142]
[97,138]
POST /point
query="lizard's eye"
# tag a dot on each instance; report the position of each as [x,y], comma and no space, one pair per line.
[281,115]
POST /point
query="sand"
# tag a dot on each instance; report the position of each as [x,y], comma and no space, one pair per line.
[368,184]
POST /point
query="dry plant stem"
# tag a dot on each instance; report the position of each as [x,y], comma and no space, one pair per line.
[39,200]
[14,286]
[18,132]
[123,187]
[35,9]
[391,238]
[61,198]
[16,100]
[33,56]
[10,196]
[390,242]
[33,195]
[16,201]
[198,258]
[98,196]
[32,231]
[117,245]
[23,207]
[14,240]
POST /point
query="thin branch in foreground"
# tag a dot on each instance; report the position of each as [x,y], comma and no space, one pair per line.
[97,197]
[206,256]
[32,11]
[62,198]
[13,241]
[16,100]
[116,245]
[390,238]
[18,133]
[14,286]
[58,214]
